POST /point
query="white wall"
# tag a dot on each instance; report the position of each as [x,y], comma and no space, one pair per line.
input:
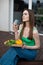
[4,15]
[11,4]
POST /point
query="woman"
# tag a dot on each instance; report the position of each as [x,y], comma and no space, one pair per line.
[26,30]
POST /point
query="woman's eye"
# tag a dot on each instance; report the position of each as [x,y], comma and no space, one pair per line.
[25,13]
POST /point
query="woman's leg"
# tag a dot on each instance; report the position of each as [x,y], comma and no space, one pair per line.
[14,62]
[0,61]
[9,57]
[27,53]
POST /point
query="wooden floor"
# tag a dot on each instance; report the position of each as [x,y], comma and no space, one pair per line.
[6,35]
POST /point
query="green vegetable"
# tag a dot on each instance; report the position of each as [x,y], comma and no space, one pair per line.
[10,42]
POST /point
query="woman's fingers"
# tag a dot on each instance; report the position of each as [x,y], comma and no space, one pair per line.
[23,46]
[15,28]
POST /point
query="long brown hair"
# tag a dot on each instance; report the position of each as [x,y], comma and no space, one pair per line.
[31,23]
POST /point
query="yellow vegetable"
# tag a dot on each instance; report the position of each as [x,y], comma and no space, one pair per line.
[19,42]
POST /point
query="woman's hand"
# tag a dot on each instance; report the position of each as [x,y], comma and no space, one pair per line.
[23,46]
[15,28]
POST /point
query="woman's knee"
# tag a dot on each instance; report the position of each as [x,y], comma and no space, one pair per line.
[9,55]
[11,52]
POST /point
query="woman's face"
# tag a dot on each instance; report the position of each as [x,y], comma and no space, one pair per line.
[25,17]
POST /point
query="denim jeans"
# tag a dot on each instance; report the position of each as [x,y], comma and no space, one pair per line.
[13,54]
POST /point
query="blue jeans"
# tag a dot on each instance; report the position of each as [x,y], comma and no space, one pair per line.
[12,56]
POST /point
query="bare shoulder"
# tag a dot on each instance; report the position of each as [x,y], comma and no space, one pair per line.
[35,32]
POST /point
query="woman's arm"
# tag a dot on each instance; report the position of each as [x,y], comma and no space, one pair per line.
[17,32]
[37,41]
[16,35]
